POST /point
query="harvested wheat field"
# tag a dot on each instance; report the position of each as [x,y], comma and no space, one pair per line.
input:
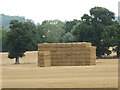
[28,75]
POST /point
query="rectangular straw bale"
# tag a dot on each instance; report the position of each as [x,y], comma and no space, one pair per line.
[44,58]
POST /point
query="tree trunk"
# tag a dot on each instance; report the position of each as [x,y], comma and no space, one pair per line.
[17,60]
[118,50]
[118,53]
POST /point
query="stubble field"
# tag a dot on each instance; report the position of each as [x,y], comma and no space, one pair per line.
[28,75]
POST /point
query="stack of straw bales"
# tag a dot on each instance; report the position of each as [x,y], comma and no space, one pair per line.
[66,54]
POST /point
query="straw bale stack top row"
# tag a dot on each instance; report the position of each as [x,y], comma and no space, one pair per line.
[50,46]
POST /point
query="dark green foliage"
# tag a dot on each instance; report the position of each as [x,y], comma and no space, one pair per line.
[20,38]
[99,28]
[69,25]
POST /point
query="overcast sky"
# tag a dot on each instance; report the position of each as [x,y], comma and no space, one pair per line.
[39,10]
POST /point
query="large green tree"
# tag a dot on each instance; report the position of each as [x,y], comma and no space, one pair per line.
[20,38]
[97,28]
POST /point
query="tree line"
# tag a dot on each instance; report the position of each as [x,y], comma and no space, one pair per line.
[99,27]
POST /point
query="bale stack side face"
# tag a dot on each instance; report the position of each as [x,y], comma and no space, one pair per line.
[93,55]
[44,59]
[69,54]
